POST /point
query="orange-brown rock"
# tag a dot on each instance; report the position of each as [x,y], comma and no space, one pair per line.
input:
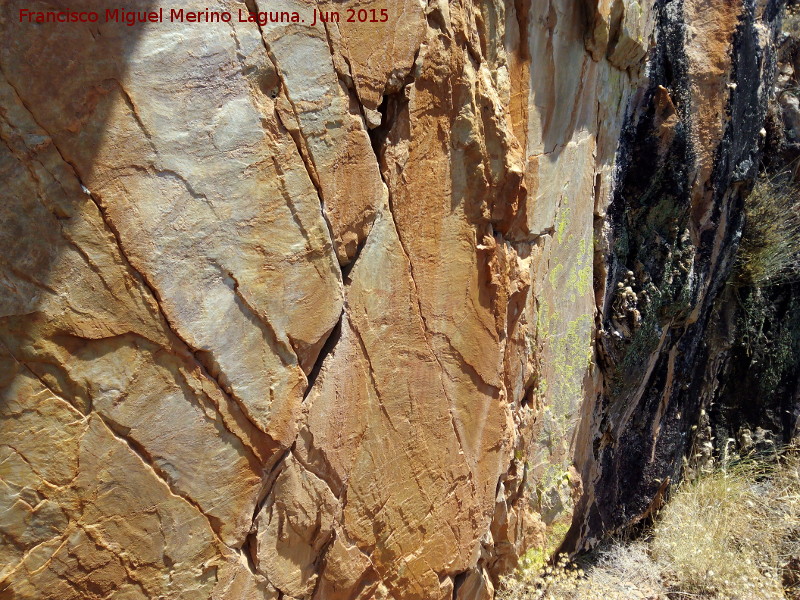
[308,311]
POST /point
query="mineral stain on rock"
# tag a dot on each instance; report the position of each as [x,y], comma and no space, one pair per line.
[333,312]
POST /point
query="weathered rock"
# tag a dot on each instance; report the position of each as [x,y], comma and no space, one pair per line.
[307,311]
[325,118]
[93,517]
[690,148]
[754,336]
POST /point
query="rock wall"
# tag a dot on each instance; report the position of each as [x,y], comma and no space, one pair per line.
[690,151]
[307,311]
[757,337]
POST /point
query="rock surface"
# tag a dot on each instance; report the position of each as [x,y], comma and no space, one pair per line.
[688,157]
[295,311]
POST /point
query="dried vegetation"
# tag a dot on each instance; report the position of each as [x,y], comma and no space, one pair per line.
[733,534]
[770,248]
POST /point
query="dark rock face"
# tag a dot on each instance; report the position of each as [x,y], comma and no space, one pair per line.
[757,402]
[674,226]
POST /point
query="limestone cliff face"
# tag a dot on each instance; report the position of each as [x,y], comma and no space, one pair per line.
[295,311]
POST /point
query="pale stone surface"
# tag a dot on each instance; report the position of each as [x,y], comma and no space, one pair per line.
[192,224]
[477,586]
[376,69]
[326,120]
[103,345]
[308,310]
[293,526]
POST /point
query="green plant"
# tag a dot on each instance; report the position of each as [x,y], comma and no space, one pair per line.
[770,338]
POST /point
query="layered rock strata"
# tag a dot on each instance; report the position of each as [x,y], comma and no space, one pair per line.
[295,311]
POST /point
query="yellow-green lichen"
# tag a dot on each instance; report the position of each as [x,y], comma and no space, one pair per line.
[564,326]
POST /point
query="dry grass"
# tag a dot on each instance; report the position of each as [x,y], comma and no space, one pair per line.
[730,535]
[620,571]
[770,249]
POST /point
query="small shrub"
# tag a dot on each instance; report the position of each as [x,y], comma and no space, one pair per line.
[620,572]
[770,249]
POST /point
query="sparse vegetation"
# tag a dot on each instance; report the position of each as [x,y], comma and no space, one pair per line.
[733,534]
[770,338]
[770,247]
[619,572]
[765,284]
[730,534]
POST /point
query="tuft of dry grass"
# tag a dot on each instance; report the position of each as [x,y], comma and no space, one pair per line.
[620,572]
[730,534]
[770,249]
[733,534]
